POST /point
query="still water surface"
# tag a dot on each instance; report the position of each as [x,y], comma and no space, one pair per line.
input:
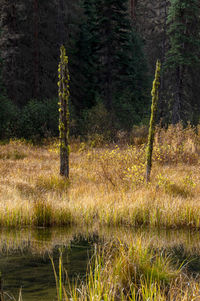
[25,262]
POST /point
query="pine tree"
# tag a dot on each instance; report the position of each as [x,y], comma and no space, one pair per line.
[183,61]
[32,31]
[2,88]
[8,111]
[113,49]
[111,62]
[83,60]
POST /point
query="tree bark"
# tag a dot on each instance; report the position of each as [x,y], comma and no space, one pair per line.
[133,5]
[155,96]
[36,50]
[176,111]
[64,113]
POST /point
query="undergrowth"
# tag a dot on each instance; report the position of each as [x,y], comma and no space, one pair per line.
[107,184]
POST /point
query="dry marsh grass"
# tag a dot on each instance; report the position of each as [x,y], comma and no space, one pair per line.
[107,185]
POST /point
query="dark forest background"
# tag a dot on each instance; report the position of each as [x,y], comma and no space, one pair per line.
[112,46]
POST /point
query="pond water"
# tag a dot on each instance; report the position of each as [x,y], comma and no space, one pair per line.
[25,255]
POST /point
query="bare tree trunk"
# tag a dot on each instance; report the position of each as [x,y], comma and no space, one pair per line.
[108,73]
[176,111]
[164,38]
[63,84]
[36,49]
[13,28]
[155,95]
[108,93]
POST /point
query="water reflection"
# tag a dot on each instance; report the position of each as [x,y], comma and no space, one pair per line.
[25,263]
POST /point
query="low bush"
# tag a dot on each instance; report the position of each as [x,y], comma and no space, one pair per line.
[36,120]
[9,117]
[177,144]
[39,119]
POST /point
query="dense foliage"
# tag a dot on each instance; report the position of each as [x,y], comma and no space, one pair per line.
[112,54]
[110,64]
[183,61]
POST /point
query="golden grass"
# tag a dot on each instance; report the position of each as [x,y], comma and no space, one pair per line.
[106,186]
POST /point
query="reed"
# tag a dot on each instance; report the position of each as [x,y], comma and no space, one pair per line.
[133,270]
[134,266]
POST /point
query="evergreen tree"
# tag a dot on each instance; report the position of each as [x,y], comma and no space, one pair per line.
[83,60]
[32,32]
[111,61]
[8,111]
[183,60]
[114,46]
[122,77]
[2,89]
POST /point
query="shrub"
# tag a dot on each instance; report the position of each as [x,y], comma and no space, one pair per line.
[39,119]
[97,121]
[121,166]
[9,114]
[177,144]
[126,112]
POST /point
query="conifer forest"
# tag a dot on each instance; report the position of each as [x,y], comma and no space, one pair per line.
[99,150]
[112,47]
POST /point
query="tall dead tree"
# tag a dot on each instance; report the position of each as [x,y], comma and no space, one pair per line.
[155,96]
[63,92]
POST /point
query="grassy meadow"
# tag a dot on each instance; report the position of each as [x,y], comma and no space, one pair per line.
[107,182]
[107,189]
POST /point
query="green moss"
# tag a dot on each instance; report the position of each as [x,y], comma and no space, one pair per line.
[155,97]
[64,94]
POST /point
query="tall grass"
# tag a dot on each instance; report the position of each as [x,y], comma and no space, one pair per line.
[132,271]
[132,266]
[106,186]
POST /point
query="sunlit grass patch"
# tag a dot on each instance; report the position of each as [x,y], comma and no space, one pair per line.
[12,155]
[26,190]
[107,184]
[14,150]
[43,213]
[177,145]
[47,214]
[15,214]
[120,167]
[136,259]
[52,183]
[183,188]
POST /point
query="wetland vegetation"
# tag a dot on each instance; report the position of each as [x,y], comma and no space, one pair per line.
[107,184]
[101,230]
[154,251]
[123,264]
